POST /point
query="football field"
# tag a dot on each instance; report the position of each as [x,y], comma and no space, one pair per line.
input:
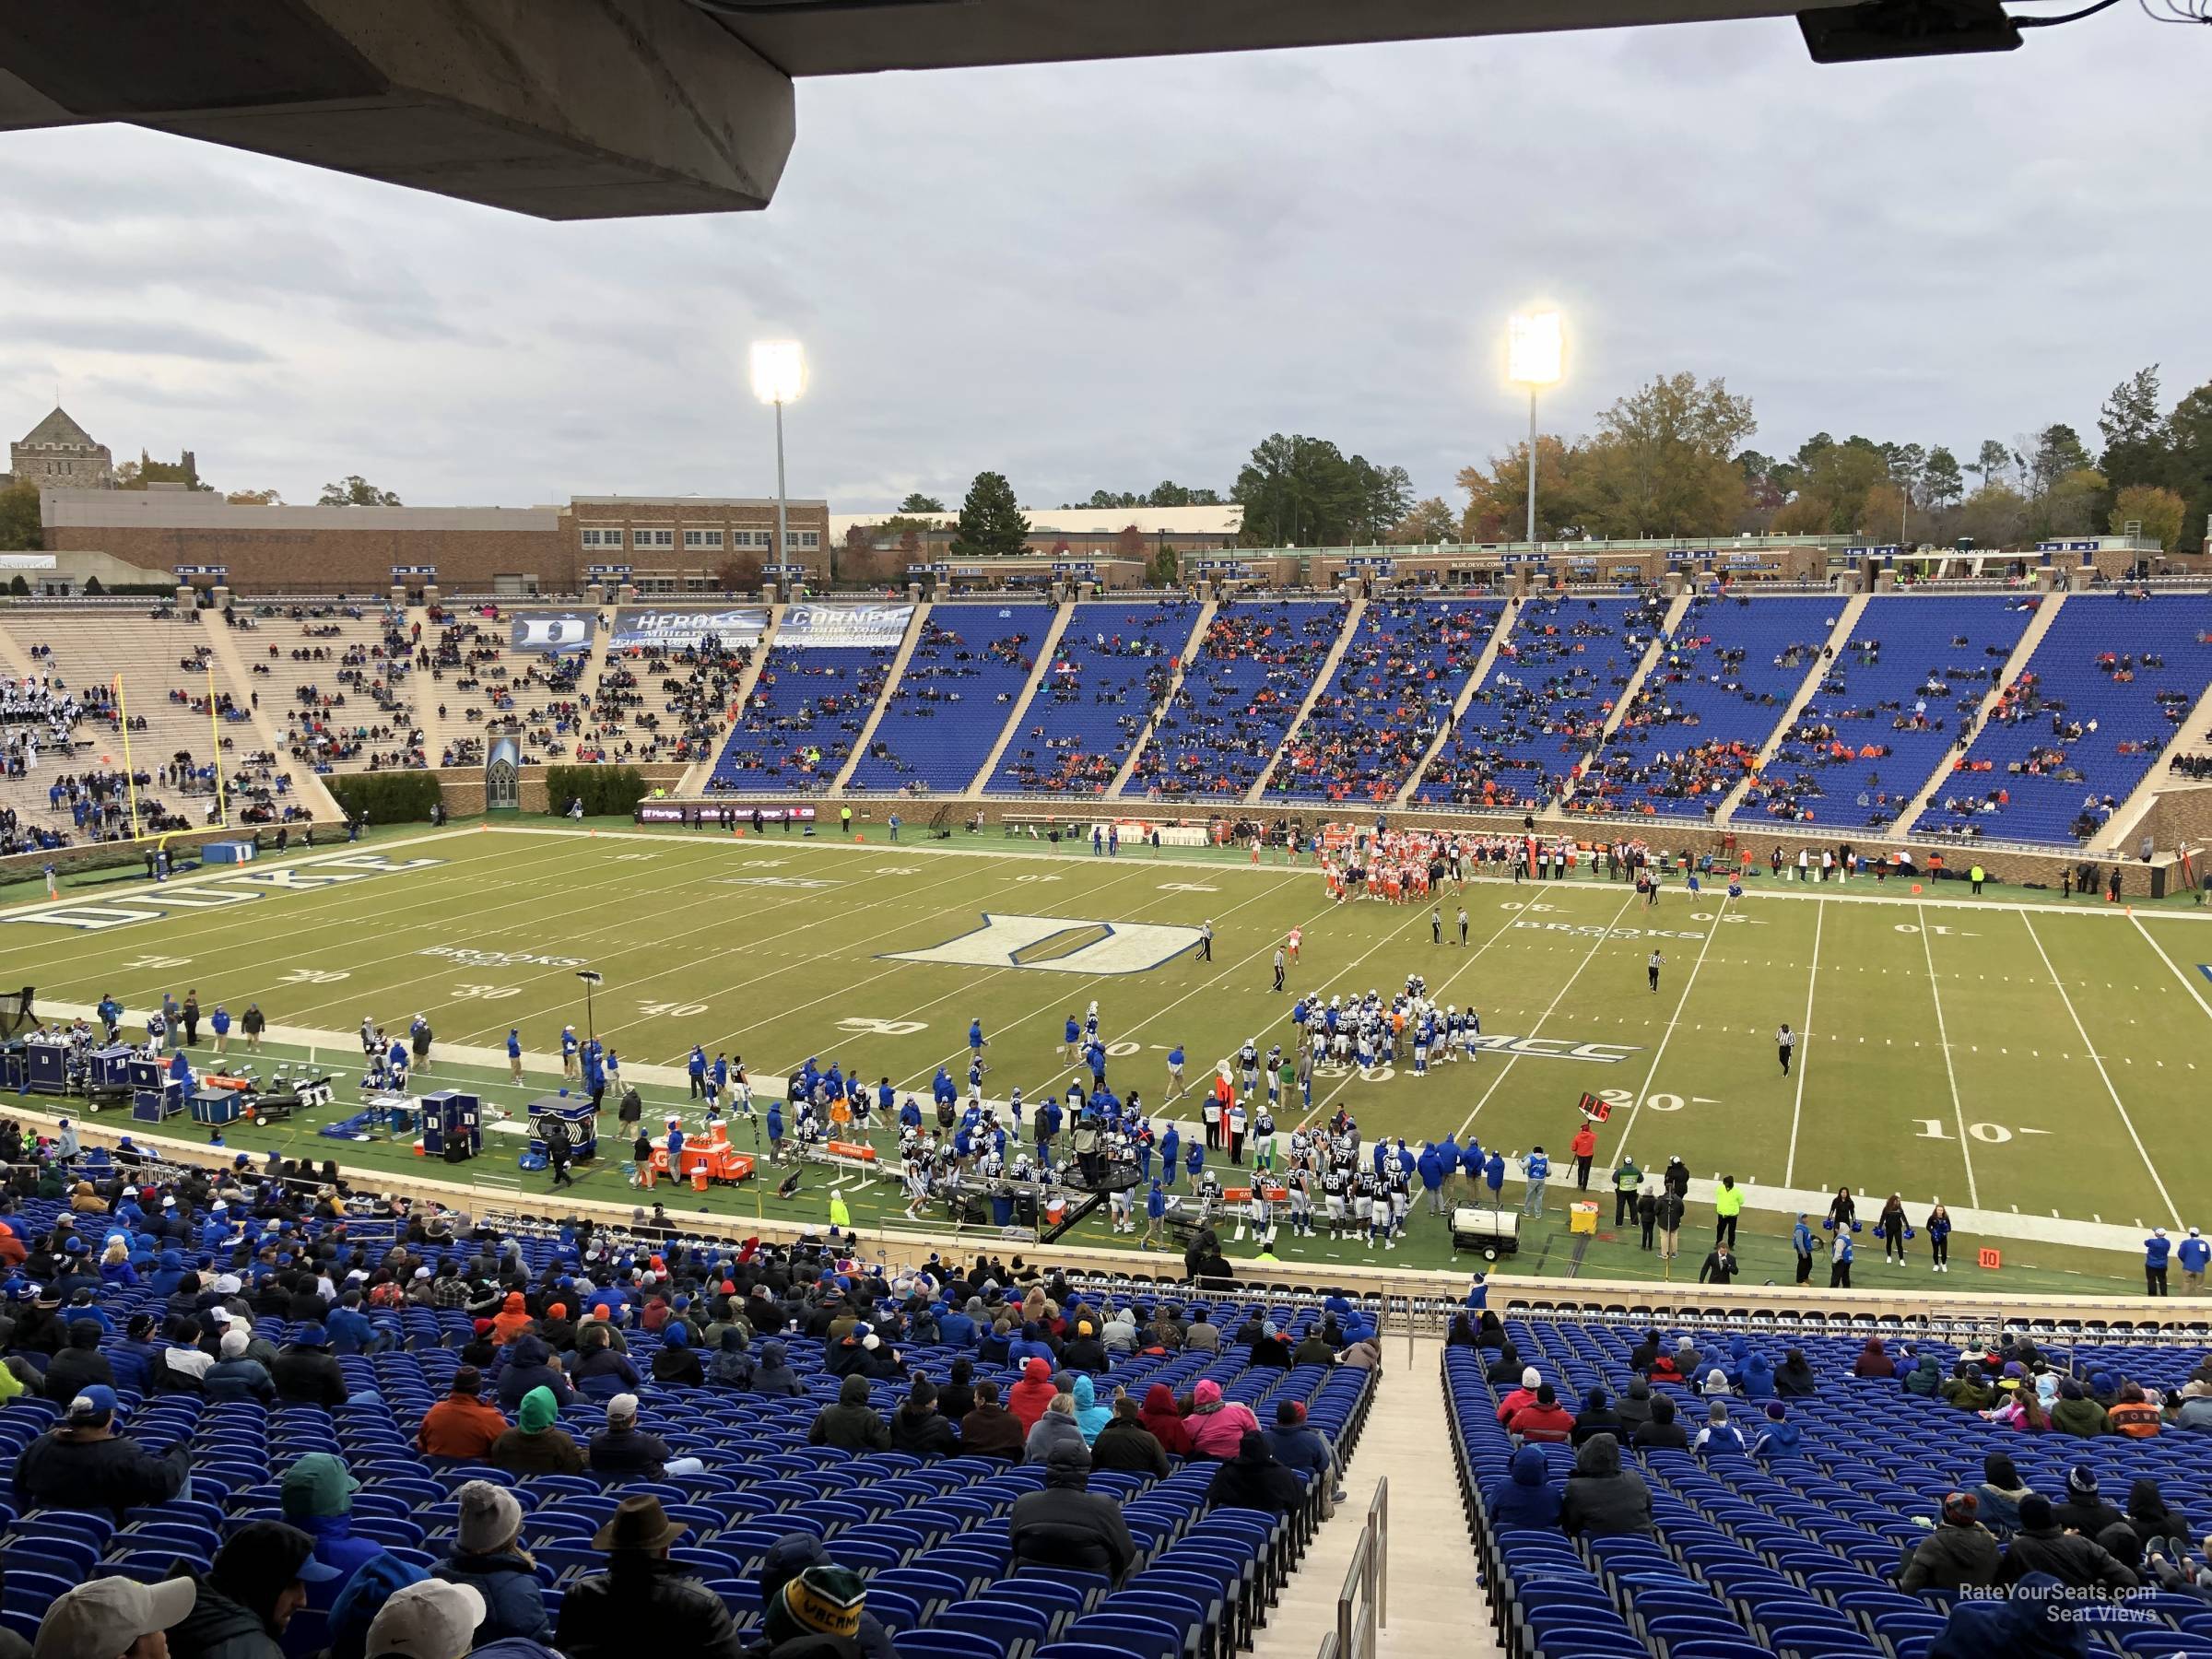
[2035,1064]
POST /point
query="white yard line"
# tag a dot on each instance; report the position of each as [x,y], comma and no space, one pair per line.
[1720,917]
[1943,1041]
[1804,1046]
[1596,945]
[2188,984]
[2165,1199]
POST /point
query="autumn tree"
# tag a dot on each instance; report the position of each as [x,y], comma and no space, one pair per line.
[740,573]
[1498,496]
[1662,461]
[353,490]
[1425,523]
[2161,512]
[21,530]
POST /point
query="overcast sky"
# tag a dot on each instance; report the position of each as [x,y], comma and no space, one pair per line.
[1106,275]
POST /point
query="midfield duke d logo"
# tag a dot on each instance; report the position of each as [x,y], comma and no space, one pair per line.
[1059,944]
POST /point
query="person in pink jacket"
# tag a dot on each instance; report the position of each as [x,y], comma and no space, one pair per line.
[1216,1427]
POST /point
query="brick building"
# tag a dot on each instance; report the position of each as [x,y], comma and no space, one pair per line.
[686,544]
[665,545]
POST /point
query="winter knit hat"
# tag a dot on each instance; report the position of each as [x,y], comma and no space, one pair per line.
[1960,1508]
[2081,1481]
[1530,1377]
[2035,1512]
[490,1517]
[539,1413]
[822,1601]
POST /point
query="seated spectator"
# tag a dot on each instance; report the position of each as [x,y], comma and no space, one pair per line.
[775,1376]
[1320,1344]
[2084,1509]
[237,1375]
[1524,1395]
[1969,1388]
[79,1365]
[536,1445]
[851,1425]
[1661,1431]
[2000,1492]
[2181,1575]
[1633,1409]
[1254,1479]
[1526,1499]
[1925,1378]
[956,1398]
[677,1362]
[113,1619]
[488,1557]
[1756,1379]
[991,1430]
[1084,1352]
[529,1364]
[2196,1404]
[643,1602]
[1462,1334]
[2023,1624]
[621,1449]
[1543,1419]
[1027,1398]
[1216,1427]
[1057,1427]
[462,1426]
[1598,1417]
[1780,1437]
[258,1580]
[2133,1415]
[1271,1350]
[2154,1523]
[602,1371]
[316,1495]
[1873,1361]
[1601,1499]
[428,1619]
[796,1553]
[1507,1367]
[1959,1554]
[1719,1438]
[918,1427]
[1795,1378]
[1065,1524]
[2076,1414]
[1159,1415]
[83,1464]
[306,1372]
[1126,1444]
[2042,1546]
[1303,1448]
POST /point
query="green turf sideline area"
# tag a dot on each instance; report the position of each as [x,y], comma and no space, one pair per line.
[2031,1060]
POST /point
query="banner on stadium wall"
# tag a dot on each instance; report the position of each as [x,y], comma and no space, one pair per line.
[814,627]
[739,626]
[552,632]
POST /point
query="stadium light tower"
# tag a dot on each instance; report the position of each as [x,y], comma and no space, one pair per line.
[779,376]
[1533,350]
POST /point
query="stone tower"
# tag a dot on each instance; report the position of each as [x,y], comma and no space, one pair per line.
[57,454]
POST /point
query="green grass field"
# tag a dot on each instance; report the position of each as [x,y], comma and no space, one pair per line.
[2034,1061]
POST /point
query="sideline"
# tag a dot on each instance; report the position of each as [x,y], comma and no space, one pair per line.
[1780,1200]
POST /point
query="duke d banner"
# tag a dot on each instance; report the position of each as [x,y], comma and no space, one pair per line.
[809,627]
[554,632]
[680,629]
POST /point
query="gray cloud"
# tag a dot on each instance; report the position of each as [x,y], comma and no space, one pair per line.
[1110,274]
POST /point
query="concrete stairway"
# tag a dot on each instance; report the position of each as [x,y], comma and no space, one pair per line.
[1061,614]
[2118,838]
[1258,791]
[694,782]
[1838,637]
[1435,1608]
[1621,699]
[914,625]
[2045,613]
[1482,664]
[13,657]
[230,668]
[1182,661]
